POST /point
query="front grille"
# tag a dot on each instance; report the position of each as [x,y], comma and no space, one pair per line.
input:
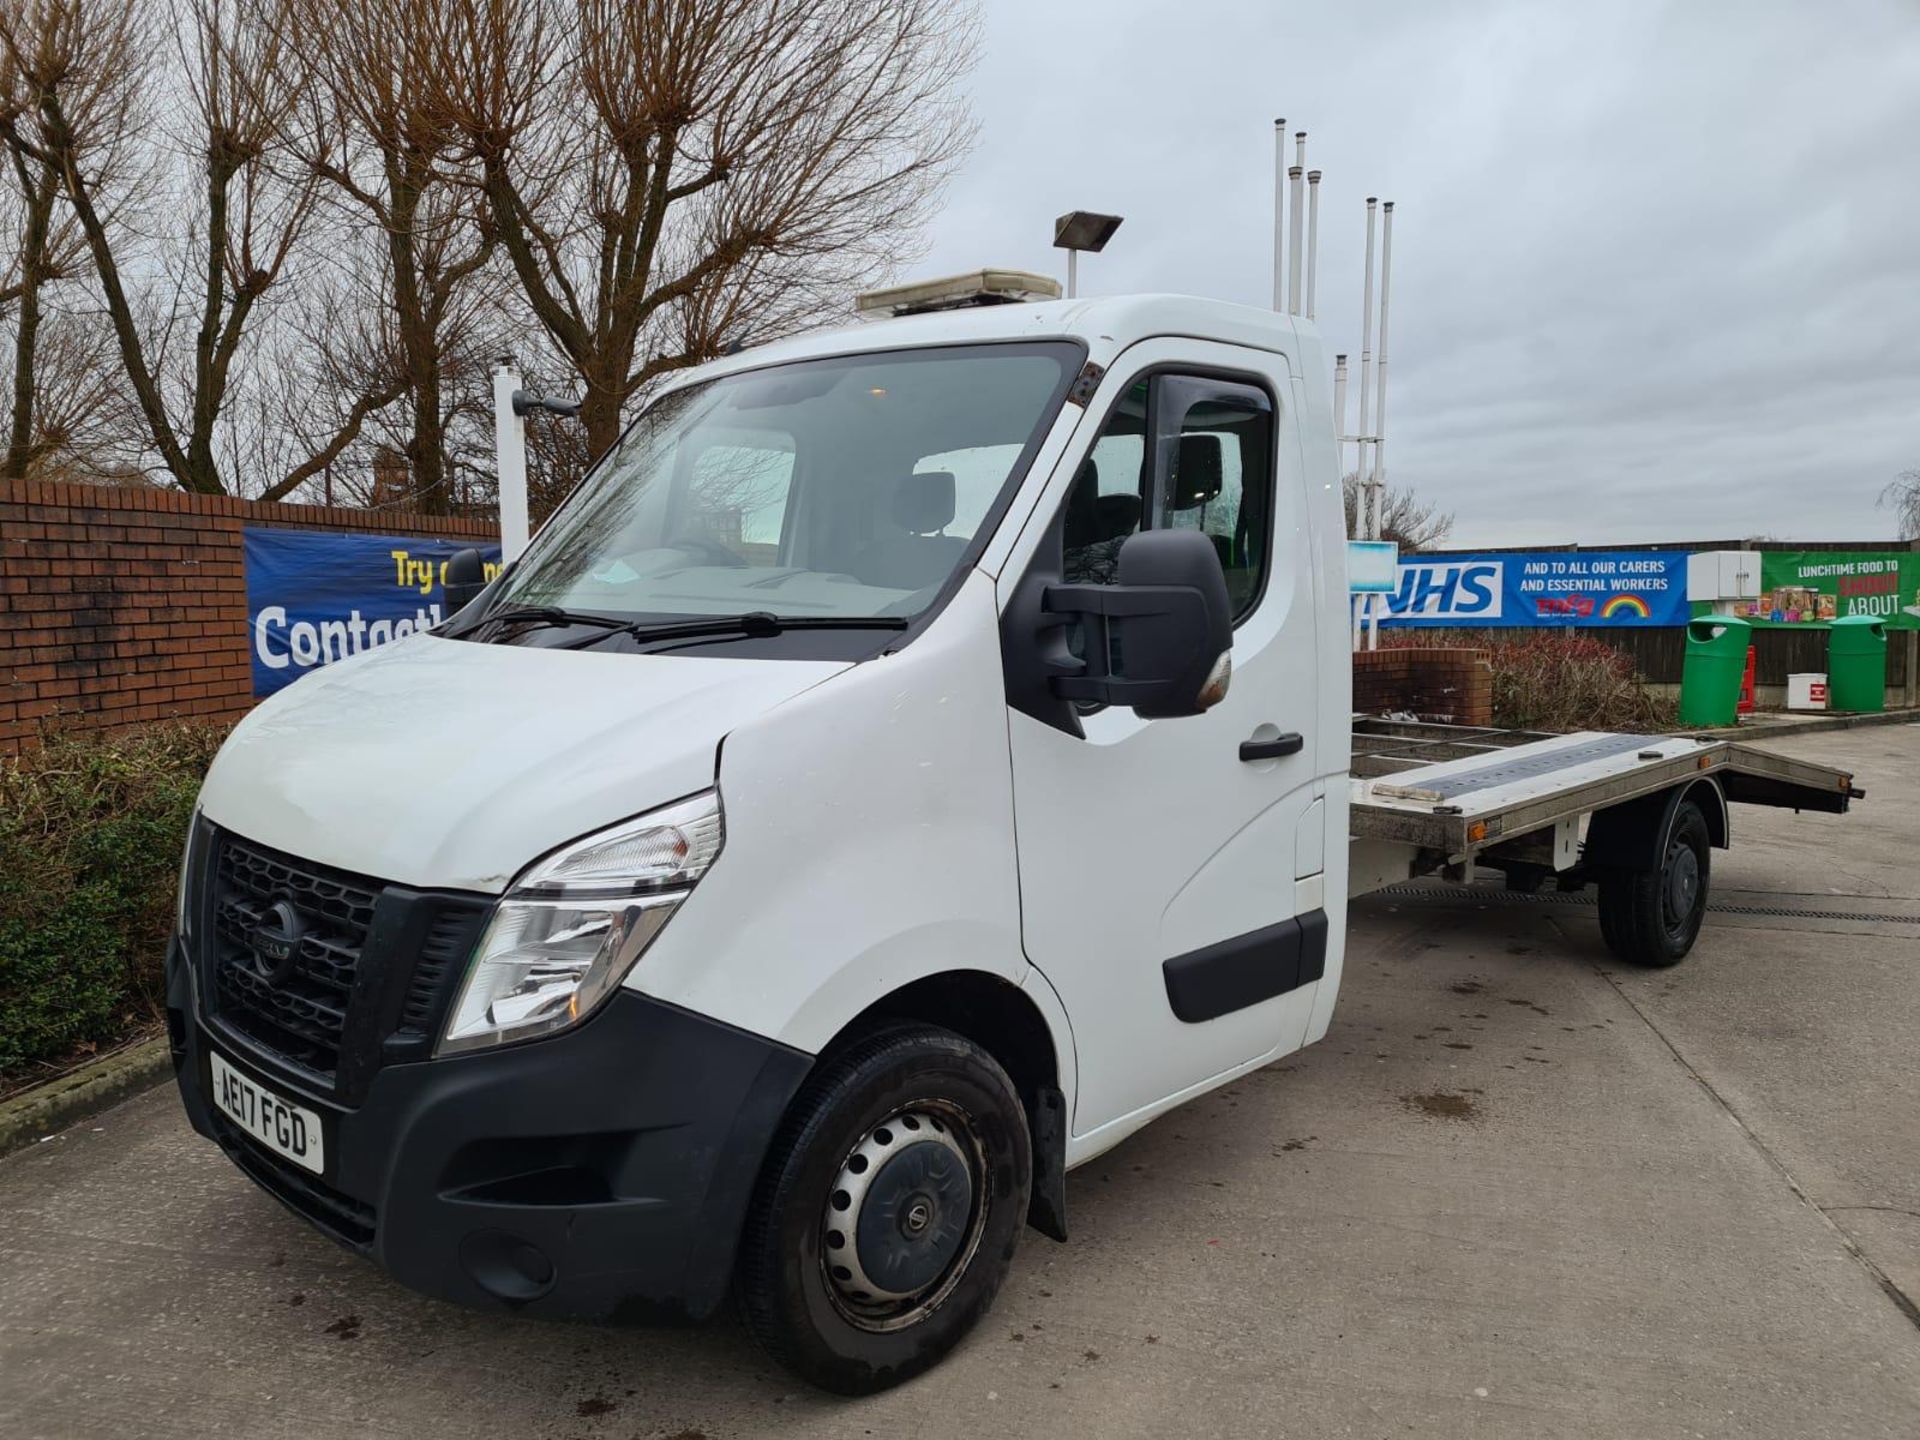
[297,1013]
[348,1220]
[369,980]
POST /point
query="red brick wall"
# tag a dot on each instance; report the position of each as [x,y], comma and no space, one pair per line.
[123,606]
[1454,687]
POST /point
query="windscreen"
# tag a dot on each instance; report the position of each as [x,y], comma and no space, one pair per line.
[842,487]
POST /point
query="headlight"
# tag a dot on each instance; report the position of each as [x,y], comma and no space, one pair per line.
[574,923]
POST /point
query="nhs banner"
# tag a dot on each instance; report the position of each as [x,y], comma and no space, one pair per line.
[1450,592]
[314,597]
[1542,588]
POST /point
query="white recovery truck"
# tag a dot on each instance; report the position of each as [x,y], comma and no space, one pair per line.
[915,758]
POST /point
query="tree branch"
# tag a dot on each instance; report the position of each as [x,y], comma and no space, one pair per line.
[363,407]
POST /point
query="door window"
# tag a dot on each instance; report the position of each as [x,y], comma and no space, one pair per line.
[1218,477]
[1212,448]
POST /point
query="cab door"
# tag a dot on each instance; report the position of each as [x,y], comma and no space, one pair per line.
[1161,861]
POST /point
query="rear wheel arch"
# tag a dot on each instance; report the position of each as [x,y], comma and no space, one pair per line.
[1633,836]
[1706,793]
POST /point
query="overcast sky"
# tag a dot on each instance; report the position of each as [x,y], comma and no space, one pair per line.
[1656,266]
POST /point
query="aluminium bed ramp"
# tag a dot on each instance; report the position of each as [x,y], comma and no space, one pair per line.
[1454,790]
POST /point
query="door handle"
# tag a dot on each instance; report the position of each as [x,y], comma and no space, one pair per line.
[1289,744]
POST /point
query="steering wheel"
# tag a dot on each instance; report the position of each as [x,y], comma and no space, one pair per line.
[712,551]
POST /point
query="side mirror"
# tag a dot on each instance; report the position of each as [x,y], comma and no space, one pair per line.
[1160,639]
[466,577]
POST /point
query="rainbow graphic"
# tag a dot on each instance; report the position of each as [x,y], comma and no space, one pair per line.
[1625,605]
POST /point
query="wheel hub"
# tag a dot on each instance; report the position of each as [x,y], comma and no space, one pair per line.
[900,1211]
[1683,883]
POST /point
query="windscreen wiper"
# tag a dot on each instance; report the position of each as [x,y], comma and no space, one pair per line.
[545,615]
[752,625]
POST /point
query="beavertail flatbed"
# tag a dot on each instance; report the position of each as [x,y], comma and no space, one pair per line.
[1587,807]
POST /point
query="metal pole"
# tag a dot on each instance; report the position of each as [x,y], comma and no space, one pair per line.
[1279,214]
[510,449]
[1376,485]
[1340,406]
[1073,273]
[1366,373]
[1296,214]
[1380,418]
[1380,373]
[1313,237]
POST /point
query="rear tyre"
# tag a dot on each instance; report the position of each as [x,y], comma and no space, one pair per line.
[887,1211]
[1525,879]
[1652,917]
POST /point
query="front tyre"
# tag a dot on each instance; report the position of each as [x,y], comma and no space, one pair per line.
[887,1211]
[1652,917]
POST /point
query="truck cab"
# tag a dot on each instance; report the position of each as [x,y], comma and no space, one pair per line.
[913,759]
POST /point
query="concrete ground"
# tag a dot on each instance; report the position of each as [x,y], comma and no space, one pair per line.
[1515,1192]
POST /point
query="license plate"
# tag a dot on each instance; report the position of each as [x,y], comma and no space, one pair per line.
[282,1126]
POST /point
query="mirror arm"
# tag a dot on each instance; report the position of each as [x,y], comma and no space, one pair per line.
[1099,606]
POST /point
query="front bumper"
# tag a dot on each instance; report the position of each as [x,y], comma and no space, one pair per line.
[602,1173]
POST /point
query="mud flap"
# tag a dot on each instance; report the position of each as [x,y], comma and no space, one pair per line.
[1047,1122]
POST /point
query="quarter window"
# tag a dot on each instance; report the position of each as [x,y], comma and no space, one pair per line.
[1108,501]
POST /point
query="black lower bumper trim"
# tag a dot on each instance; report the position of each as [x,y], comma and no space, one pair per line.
[341,1216]
[599,1174]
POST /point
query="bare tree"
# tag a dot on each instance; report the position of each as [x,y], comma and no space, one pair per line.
[91,71]
[317,382]
[1403,518]
[82,426]
[384,149]
[268,246]
[1902,496]
[47,249]
[669,176]
[39,190]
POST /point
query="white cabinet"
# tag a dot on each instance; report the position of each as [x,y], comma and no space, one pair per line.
[1723,575]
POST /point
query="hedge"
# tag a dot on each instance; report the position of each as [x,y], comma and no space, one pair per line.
[1555,680]
[91,829]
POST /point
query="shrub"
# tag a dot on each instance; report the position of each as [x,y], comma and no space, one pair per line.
[91,829]
[1556,680]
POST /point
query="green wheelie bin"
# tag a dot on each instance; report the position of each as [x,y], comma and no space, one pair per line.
[1716,659]
[1857,664]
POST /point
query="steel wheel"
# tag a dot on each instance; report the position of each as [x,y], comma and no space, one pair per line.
[904,1217]
[887,1210]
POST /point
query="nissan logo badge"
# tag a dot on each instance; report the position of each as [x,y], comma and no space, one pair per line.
[276,940]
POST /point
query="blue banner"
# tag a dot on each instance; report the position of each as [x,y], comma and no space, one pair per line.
[314,596]
[1600,588]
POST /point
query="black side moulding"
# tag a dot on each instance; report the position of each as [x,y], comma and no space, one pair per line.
[1230,975]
